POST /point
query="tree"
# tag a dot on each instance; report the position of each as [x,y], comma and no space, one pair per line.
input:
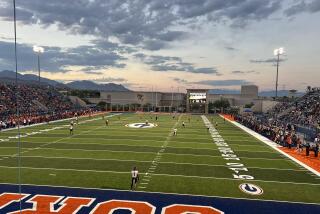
[221,104]
[309,88]
[249,105]
[102,105]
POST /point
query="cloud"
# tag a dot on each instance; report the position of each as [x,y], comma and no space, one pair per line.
[222,82]
[234,82]
[56,59]
[245,72]
[271,60]
[149,23]
[181,81]
[303,6]
[93,72]
[229,48]
[110,79]
[167,63]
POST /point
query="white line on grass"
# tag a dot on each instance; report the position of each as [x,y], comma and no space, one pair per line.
[165,193]
[70,136]
[130,145]
[154,174]
[167,153]
[272,145]
[154,163]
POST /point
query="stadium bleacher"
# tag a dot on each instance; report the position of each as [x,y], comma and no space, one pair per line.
[37,103]
[288,121]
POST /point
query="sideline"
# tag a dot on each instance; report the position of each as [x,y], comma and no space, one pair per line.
[50,122]
[272,145]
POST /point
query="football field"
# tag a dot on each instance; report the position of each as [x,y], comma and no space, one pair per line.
[100,156]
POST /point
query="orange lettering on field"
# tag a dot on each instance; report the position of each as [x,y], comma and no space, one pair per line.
[8,198]
[182,209]
[136,207]
[45,204]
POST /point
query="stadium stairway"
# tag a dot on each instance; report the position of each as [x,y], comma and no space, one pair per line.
[77,101]
[40,105]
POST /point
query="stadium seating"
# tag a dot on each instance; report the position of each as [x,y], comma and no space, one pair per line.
[304,111]
[286,118]
[37,103]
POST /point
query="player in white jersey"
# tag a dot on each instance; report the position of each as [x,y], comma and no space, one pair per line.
[175,132]
[71,129]
[134,178]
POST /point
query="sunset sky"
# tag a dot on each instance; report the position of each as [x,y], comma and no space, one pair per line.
[166,43]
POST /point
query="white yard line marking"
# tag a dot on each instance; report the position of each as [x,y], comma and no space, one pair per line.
[272,145]
[154,174]
[133,145]
[154,163]
[46,144]
[165,193]
[167,153]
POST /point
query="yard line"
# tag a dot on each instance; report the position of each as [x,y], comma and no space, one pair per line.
[211,143]
[42,145]
[154,164]
[45,123]
[105,139]
[154,174]
[72,158]
[165,193]
[273,145]
[170,153]
[218,165]
[59,169]
[233,179]
[130,145]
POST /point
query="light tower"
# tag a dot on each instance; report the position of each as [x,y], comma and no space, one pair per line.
[38,50]
[277,52]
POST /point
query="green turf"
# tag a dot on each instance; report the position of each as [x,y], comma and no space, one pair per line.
[189,163]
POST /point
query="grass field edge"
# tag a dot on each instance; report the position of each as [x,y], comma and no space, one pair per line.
[271,144]
[165,193]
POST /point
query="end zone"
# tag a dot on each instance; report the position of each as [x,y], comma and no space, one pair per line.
[77,200]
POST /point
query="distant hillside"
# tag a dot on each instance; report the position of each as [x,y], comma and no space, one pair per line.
[89,85]
[9,76]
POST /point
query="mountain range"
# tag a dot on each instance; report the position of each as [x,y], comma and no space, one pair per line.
[9,76]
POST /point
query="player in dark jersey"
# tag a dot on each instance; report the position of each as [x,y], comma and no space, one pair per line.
[134,178]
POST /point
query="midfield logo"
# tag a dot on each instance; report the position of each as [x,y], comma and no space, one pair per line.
[251,189]
[141,125]
[52,204]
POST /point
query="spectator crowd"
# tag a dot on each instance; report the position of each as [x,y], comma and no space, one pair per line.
[36,103]
[280,123]
[304,111]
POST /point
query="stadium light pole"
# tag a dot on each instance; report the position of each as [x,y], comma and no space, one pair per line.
[38,50]
[277,52]
[171,97]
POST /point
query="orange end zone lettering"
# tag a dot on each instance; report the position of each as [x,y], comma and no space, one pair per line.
[45,204]
[8,198]
[183,209]
[136,207]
